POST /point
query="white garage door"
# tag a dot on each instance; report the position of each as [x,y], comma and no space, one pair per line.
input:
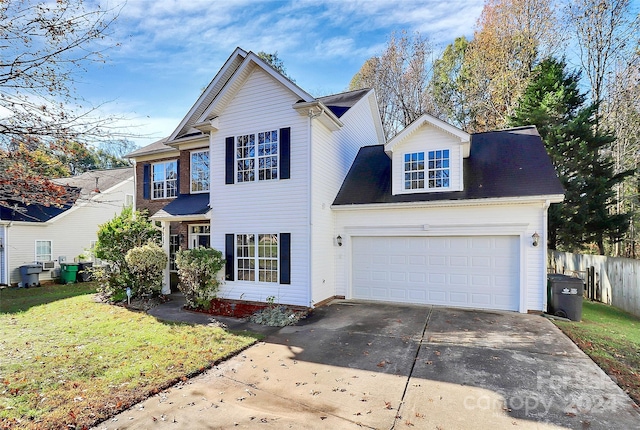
[476,271]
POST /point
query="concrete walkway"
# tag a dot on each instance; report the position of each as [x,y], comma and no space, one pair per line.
[381,366]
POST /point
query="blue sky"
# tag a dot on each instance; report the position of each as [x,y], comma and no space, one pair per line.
[169,50]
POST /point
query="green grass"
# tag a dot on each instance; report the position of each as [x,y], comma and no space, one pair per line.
[20,299]
[72,362]
[611,337]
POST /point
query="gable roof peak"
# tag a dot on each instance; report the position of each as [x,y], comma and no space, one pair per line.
[430,120]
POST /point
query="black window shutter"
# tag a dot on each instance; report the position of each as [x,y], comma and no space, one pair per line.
[178,178]
[285,258]
[285,153]
[229,256]
[146,181]
[229,158]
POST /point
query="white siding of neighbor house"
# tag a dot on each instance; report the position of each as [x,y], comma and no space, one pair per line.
[520,219]
[427,138]
[71,232]
[332,156]
[276,206]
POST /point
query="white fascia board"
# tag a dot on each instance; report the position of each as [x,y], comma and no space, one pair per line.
[237,52]
[555,198]
[252,60]
[164,216]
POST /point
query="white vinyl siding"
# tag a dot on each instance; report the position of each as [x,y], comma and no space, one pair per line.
[270,206]
[332,157]
[81,223]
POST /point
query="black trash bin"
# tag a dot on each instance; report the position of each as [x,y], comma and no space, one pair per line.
[84,271]
[30,274]
[566,296]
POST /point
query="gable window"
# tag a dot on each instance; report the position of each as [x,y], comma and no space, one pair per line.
[43,250]
[165,179]
[257,156]
[414,171]
[199,171]
[436,170]
[257,259]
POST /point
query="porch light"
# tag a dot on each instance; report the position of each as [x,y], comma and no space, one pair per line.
[339,240]
[536,238]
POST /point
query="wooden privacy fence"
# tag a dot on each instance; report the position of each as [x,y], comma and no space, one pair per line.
[611,280]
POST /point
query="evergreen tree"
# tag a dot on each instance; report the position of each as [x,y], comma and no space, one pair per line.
[553,103]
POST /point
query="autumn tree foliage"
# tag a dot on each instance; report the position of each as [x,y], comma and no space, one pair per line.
[44,48]
[400,76]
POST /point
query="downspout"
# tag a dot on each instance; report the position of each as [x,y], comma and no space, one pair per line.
[135,186]
[545,251]
[311,116]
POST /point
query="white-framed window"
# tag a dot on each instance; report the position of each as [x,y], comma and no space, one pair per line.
[44,250]
[438,169]
[199,171]
[200,235]
[164,179]
[257,259]
[414,171]
[257,156]
[430,173]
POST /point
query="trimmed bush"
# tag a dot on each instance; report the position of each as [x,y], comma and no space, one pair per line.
[146,264]
[197,270]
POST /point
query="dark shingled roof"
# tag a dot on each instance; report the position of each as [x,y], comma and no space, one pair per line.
[505,163]
[188,204]
[341,103]
[33,213]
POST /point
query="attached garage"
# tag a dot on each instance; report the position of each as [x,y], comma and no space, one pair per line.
[464,271]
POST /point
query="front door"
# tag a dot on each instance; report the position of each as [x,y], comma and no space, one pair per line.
[199,235]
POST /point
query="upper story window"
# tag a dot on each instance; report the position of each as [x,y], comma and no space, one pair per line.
[199,171]
[257,156]
[436,170]
[165,179]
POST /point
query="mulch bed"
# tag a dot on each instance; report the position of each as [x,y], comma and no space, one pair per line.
[240,308]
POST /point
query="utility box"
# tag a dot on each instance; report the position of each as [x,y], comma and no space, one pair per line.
[565,293]
[30,274]
[68,272]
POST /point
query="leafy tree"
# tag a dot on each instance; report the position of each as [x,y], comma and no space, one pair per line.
[130,229]
[44,45]
[449,84]
[275,62]
[498,62]
[552,101]
[400,77]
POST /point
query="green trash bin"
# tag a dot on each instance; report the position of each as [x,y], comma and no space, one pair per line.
[68,272]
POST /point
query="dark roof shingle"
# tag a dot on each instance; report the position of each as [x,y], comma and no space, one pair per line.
[504,163]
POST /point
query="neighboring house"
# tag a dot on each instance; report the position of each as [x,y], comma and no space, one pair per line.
[308,202]
[36,233]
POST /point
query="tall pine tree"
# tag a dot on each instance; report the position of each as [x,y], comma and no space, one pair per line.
[553,103]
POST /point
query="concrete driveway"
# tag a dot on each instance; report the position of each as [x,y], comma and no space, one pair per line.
[381,366]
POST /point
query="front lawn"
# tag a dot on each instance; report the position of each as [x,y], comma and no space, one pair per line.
[72,362]
[611,337]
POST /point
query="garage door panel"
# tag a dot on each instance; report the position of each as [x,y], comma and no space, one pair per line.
[459,271]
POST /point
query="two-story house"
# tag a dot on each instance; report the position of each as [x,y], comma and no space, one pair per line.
[308,202]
